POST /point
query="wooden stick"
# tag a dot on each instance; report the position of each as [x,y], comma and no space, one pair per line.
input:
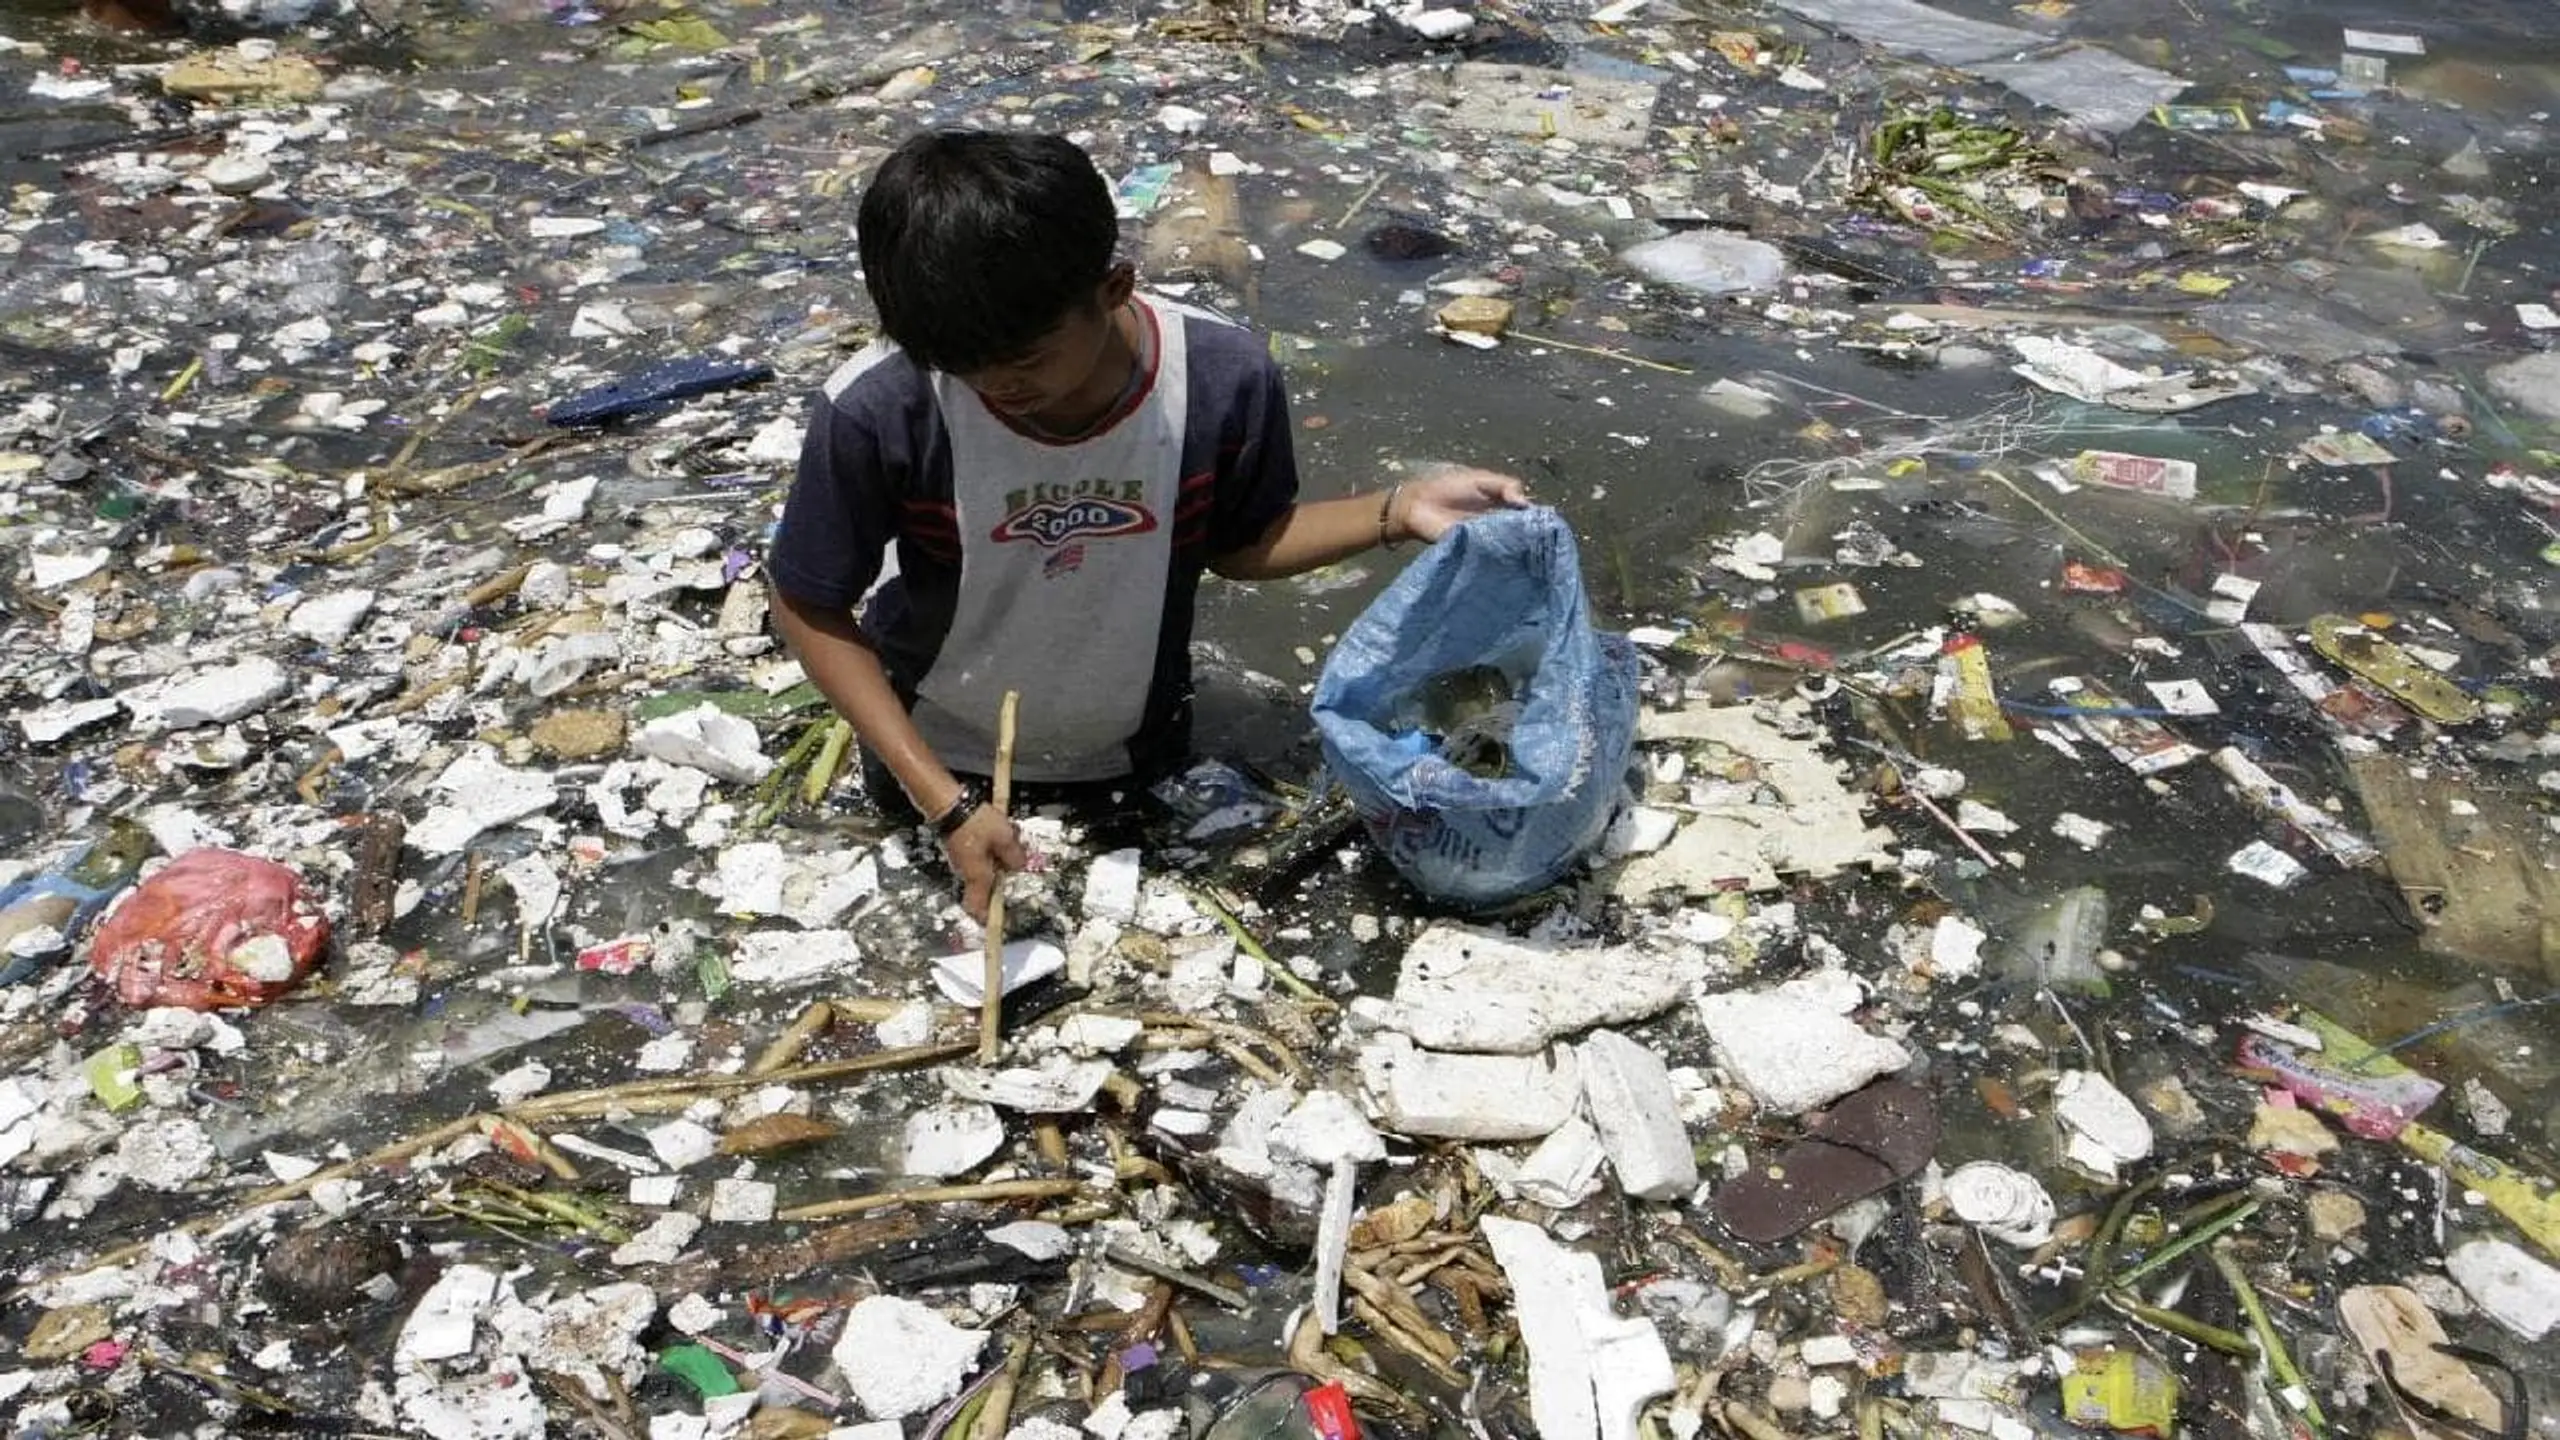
[996,1417]
[812,1023]
[1130,1258]
[991,1009]
[674,1092]
[934,1195]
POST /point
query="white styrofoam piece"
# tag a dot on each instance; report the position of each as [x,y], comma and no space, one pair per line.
[950,1139]
[1564,1169]
[442,1324]
[794,957]
[1591,1372]
[1333,1240]
[214,696]
[710,740]
[1794,1047]
[2092,1110]
[1055,1086]
[962,978]
[2515,1289]
[1111,887]
[1470,1097]
[1628,1092]
[1484,992]
[901,1358]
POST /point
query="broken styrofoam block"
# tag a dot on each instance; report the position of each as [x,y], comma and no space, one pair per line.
[1628,1091]
[501,1403]
[748,879]
[215,696]
[442,1324]
[1954,951]
[962,978]
[663,1240]
[1111,887]
[1561,1173]
[710,740]
[1794,1047]
[741,1202]
[1481,992]
[1328,1132]
[1470,1097]
[1440,23]
[168,1154]
[1816,826]
[47,723]
[2106,1130]
[1638,830]
[680,1143]
[1591,1372]
[950,1139]
[794,957]
[2515,1289]
[820,889]
[1088,1033]
[330,618]
[1244,1147]
[1055,1086]
[479,793]
[1326,1127]
[587,1336]
[902,1358]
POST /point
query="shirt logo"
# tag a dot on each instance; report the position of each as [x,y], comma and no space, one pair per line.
[1052,523]
[1065,560]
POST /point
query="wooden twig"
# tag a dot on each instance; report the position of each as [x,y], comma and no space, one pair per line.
[933,1195]
[496,588]
[1131,1258]
[786,1047]
[1239,1036]
[996,1415]
[991,1006]
[639,1096]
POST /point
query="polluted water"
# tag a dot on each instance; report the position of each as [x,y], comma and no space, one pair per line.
[2053,931]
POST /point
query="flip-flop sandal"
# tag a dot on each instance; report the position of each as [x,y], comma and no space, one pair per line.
[1867,1142]
[2407,1346]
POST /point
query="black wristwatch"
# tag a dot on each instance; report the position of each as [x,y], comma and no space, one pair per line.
[972,795]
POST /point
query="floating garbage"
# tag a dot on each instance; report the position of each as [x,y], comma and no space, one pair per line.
[1858,1022]
[211,929]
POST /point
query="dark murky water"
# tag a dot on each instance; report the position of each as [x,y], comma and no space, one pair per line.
[1644,466]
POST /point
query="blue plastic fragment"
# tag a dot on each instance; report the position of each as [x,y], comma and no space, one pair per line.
[61,885]
[656,386]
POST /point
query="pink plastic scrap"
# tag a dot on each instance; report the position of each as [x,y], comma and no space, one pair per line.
[211,930]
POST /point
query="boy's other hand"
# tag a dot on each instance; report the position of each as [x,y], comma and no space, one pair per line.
[1429,506]
[983,851]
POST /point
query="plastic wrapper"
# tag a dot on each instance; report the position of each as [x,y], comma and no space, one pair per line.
[213,929]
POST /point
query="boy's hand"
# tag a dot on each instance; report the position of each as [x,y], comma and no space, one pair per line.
[982,851]
[1427,507]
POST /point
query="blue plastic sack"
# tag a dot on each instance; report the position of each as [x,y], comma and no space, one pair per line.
[1502,590]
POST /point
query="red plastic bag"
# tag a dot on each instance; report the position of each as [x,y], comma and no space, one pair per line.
[213,929]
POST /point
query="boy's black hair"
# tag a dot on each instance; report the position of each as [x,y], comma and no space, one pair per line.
[975,244]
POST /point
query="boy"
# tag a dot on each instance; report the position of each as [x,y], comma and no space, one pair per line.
[1057,460]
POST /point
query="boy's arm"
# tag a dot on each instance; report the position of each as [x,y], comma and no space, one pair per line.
[1313,534]
[844,667]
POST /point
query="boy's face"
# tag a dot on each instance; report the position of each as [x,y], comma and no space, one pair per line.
[1071,367]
